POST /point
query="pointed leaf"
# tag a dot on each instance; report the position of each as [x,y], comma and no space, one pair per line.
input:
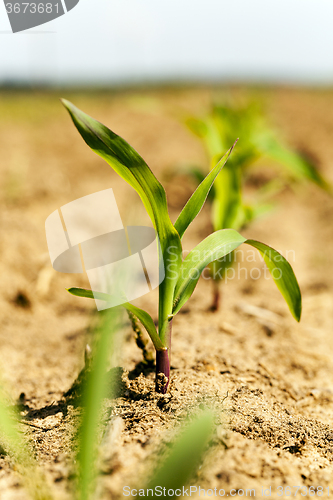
[134,170]
[142,316]
[87,294]
[283,275]
[127,163]
[198,198]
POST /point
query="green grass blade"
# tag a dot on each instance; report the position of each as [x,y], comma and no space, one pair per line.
[214,247]
[134,170]
[95,391]
[283,275]
[185,456]
[198,198]
[142,316]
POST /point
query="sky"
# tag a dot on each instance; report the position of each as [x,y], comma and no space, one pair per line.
[130,41]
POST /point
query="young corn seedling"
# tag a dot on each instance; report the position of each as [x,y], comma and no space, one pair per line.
[257,142]
[181,275]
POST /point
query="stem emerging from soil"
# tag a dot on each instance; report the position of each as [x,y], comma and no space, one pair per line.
[163,359]
[162,371]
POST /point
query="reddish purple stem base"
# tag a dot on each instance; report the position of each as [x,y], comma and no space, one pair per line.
[216,297]
[162,371]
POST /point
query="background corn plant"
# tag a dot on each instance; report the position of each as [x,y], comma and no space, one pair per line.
[258,141]
[181,276]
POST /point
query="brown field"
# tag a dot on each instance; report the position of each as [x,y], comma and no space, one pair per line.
[270,378]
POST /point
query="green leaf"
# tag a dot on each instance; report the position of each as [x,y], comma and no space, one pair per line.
[88,294]
[198,198]
[142,316]
[227,205]
[122,158]
[185,456]
[283,275]
[134,170]
[214,247]
[219,244]
[299,166]
[128,164]
[148,323]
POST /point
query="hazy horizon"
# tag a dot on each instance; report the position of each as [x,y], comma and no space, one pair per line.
[130,42]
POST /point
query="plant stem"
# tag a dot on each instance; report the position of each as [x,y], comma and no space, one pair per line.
[216,296]
[162,371]
[163,359]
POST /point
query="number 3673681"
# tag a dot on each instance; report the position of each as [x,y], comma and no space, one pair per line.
[32,8]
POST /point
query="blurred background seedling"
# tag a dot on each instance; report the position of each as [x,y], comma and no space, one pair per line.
[260,146]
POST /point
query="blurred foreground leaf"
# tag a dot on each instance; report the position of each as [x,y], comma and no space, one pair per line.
[185,456]
[97,388]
